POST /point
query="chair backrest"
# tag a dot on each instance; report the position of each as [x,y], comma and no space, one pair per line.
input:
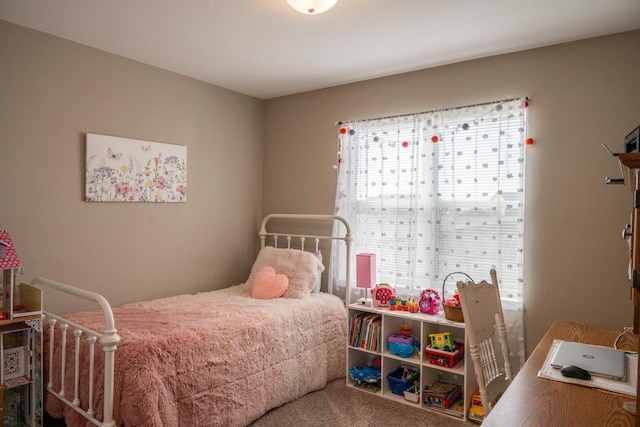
[484,322]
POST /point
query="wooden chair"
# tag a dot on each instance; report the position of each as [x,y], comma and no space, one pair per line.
[483,317]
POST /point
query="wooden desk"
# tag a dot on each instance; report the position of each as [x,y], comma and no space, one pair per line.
[533,401]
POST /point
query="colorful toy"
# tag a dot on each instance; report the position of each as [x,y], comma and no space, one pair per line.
[402,379]
[445,358]
[429,301]
[10,267]
[442,341]
[441,394]
[368,374]
[399,304]
[412,306]
[365,374]
[476,411]
[455,301]
[458,405]
[382,294]
[412,394]
[403,344]
[443,351]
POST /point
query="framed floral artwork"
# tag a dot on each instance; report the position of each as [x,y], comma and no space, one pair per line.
[132,170]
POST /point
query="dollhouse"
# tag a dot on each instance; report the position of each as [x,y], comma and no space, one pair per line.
[20,343]
[10,265]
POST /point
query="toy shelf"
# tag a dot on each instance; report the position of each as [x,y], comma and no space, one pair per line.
[430,369]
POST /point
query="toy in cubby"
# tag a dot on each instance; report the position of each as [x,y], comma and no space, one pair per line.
[412,394]
[443,350]
[402,378]
[368,376]
[442,341]
[441,394]
[403,344]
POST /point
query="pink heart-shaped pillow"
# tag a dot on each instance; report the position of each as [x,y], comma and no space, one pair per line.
[267,284]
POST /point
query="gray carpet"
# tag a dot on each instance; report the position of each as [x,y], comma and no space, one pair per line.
[337,405]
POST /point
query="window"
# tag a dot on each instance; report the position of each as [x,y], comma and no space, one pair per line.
[437,192]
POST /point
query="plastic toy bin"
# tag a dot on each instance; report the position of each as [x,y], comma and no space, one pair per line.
[402,378]
[448,359]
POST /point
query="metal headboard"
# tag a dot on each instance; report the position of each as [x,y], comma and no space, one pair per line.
[316,239]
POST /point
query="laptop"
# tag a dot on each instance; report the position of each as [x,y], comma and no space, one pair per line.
[597,360]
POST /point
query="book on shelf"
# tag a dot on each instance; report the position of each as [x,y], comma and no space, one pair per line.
[365,331]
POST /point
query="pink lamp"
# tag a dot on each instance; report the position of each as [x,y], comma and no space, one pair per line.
[365,274]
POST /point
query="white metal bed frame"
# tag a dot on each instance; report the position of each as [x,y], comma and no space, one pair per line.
[109,339]
[347,238]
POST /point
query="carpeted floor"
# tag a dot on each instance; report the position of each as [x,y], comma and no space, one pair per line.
[337,405]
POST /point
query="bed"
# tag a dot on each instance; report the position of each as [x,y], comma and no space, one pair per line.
[220,358]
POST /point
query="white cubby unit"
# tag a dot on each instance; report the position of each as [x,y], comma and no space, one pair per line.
[375,351]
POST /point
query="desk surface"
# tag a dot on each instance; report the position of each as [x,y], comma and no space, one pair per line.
[533,401]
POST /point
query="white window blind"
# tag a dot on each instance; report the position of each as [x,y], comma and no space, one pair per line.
[437,192]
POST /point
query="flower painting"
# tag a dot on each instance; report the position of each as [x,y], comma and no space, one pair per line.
[131,170]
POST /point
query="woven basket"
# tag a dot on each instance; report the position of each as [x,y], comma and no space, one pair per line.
[452,313]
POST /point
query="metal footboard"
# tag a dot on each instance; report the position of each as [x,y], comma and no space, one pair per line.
[108,339]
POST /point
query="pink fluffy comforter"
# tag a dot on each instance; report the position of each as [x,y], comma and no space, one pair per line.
[212,359]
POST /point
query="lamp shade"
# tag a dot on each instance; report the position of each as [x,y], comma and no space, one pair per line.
[366,270]
[312,7]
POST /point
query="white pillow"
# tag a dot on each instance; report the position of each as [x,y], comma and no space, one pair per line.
[316,288]
[301,267]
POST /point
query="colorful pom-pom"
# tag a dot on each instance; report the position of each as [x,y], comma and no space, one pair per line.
[405,144]
[528,141]
[465,126]
[343,130]
[352,132]
[435,139]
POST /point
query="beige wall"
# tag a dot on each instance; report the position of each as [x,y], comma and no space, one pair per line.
[52,92]
[583,94]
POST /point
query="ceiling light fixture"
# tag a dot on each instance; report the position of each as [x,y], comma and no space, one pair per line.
[312,7]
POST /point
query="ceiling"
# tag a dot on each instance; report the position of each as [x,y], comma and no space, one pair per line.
[265,49]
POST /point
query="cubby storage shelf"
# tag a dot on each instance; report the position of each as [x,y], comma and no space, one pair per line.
[422,325]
